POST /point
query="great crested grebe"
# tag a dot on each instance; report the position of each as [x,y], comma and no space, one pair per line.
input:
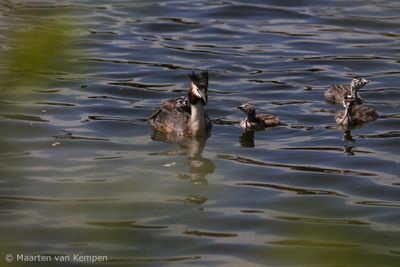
[355,114]
[336,93]
[177,117]
[256,122]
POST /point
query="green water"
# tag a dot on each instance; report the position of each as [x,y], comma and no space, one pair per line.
[81,173]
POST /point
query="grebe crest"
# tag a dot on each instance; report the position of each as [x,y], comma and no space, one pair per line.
[355,114]
[336,93]
[183,117]
[256,122]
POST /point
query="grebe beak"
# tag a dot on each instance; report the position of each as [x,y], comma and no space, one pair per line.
[365,81]
[199,94]
[204,98]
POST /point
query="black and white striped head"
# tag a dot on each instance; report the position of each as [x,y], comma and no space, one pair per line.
[199,87]
[182,103]
[249,110]
[358,82]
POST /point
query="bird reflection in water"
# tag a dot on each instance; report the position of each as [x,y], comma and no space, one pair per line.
[350,142]
[199,167]
[247,138]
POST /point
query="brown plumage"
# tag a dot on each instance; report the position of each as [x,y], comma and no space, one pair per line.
[172,116]
[256,122]
[336,93]
[355,114]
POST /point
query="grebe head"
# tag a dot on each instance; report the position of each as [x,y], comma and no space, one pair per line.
[358,82]
[199,87]
[246,108]
[182,102]
[249,110]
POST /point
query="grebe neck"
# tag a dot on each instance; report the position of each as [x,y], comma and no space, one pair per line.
[251,116]
[197,121]
[347,119]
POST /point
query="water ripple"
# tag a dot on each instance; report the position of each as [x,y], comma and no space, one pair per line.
[24,117]
[54,200]
[292,167]
[298,191]
[322,220]
[125,224]
[312,243]
[209,234]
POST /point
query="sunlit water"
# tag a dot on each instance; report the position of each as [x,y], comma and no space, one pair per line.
[80,172]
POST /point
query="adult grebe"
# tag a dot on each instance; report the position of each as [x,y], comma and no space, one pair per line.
[256,122]
[336,93]
[177,117]
[355,114]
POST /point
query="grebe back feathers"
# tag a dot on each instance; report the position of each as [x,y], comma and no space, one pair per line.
[355,114]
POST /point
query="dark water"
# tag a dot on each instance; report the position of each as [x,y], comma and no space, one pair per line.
[80,172]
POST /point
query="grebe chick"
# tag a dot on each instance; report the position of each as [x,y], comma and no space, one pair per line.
[256,122]
[355,114]
[179,104]
[177,117]
[336,93]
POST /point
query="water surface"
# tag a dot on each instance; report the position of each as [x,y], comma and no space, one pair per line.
[81,173]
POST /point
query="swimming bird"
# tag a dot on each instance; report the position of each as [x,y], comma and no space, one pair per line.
[355,114]
[336,93]
[180,118]
[256,122]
